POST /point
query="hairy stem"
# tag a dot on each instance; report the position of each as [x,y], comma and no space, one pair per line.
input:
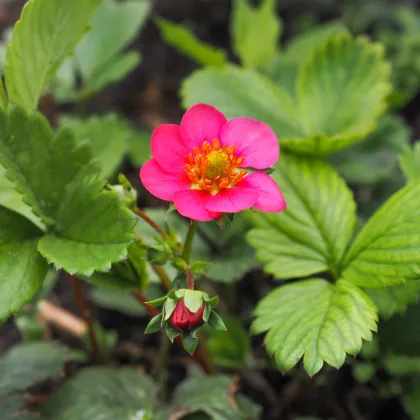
[186,253]
[87,316]
[154,225]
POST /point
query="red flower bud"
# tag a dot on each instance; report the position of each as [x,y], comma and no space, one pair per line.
[182,319]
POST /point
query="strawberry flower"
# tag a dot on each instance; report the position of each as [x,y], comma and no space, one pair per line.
[208,166]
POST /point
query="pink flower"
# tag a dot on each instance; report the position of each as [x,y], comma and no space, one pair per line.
[208,165]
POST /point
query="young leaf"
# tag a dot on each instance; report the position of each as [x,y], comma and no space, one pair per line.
[311,235]
[101,48]
[181,38]
[155,324]
[41,177]
[410,163]
[108,137]
[210,394]
[108,394]
[28,364]
[216,322]
[317,320]
[255,32]
[312,123]
[22,269]
[385,252]
[45,35]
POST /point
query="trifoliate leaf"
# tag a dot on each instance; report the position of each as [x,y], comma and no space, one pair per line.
[374,158]
[312,234]
[22,268]
[41,177]
[214,396]
[122,302]
[96,240]
[185,41]
[317,320]
[28,364]
[45,35]
[312,123]
[255,32]
[107,394]
[101,48]
[108,137]
[410,163]
[385,252]
[155,324]
[394,299]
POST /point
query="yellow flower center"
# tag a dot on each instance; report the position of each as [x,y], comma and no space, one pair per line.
[214,167]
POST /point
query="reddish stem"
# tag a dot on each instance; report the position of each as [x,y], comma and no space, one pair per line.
[154,225]
[190,278]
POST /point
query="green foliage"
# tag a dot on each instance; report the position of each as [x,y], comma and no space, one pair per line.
[402,365]
[10,407]
[181,38]
[412,401]
[28,364]
[107,394]
[255,32]
[210,395]
[375,158]
[22,269]
[118,301]
[99,56]
[139,147]
[311,123]
[410,162]
[312,234]
[45,35]
[317,320]
[108,136]
[385,252]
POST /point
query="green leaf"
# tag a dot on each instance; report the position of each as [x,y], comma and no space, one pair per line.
[189,343]
[255,32]
[154,325]
[342,71]
[118,301]
[312,234]
[28,364]
[108,137]
[216,322]
[402,365]
[94,241]
[374,158]
[101,47]
[181,38]
[193,300]
[22,269]
[210,395]
[108,394]
[139,143]
[385,252]
[45,35]
[232,349]
[317,320]
[410,163]
[394,299]
[41,177]
[12,405]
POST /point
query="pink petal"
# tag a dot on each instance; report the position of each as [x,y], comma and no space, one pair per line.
[271,198]
[201,123]
[192,204]
[160,183]
[168,149]
[232,200]
[255,141]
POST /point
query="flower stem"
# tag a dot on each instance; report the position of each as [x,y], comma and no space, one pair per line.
[87,316]
[164,279]
[186,253]
[151,310]
[154,225]
[190,279]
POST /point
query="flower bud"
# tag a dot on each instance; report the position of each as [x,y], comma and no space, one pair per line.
[182,319]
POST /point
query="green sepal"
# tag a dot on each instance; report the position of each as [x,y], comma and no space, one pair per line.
[180,293]
[126,192]
[171,332]
[157,302]
[193,300]
[194,332]
[189,343]
[154,325]
[199,267]
[207,312]
[170,305]
[216,322]
[172,294]
[213,301]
